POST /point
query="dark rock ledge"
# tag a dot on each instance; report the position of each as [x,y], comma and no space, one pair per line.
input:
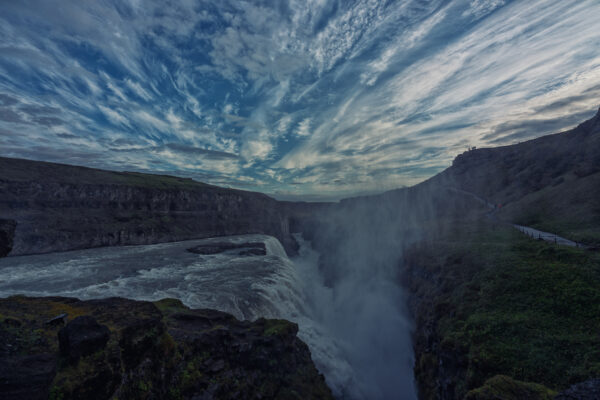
[124,349]
[7,235]
[243,249]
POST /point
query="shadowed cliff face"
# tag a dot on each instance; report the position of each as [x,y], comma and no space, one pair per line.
[60,207]
[7,234]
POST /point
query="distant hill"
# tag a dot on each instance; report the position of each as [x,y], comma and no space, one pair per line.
[508,173]
[552,182]
[21,170]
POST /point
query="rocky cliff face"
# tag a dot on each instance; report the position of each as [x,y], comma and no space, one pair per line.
[59,207]
[62,348]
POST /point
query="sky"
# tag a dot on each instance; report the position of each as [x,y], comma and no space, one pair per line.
[301,99]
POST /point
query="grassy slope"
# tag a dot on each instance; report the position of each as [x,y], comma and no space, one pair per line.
[12,169]
[510,305]
[570,209]
[551,183]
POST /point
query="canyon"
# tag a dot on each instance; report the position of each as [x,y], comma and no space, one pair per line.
[427,255]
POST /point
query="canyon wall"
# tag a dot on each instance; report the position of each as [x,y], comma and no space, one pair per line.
[60,207]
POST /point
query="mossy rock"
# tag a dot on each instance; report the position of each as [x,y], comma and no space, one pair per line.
[161,350]
[502,387]
[280,327]
[169,305]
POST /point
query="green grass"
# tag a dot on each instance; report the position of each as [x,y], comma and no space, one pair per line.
[277,327]
[168,305]
[518,307]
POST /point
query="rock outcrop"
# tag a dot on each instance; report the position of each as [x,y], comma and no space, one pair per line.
[118,348]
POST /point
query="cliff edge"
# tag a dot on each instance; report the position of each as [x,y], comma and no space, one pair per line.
[62,207]
[64,348]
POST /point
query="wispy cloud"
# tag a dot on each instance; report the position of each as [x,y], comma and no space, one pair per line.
[138,89]
[303,127]
[113,115]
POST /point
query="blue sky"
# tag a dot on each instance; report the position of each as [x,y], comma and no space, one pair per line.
[309,98]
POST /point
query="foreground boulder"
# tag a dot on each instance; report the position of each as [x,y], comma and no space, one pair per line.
[125,349]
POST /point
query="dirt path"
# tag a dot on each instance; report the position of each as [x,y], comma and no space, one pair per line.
[531,232]
[546,236]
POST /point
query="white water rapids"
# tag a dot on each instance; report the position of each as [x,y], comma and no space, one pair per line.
[249,287]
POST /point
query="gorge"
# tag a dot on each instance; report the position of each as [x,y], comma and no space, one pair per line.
[396,294]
